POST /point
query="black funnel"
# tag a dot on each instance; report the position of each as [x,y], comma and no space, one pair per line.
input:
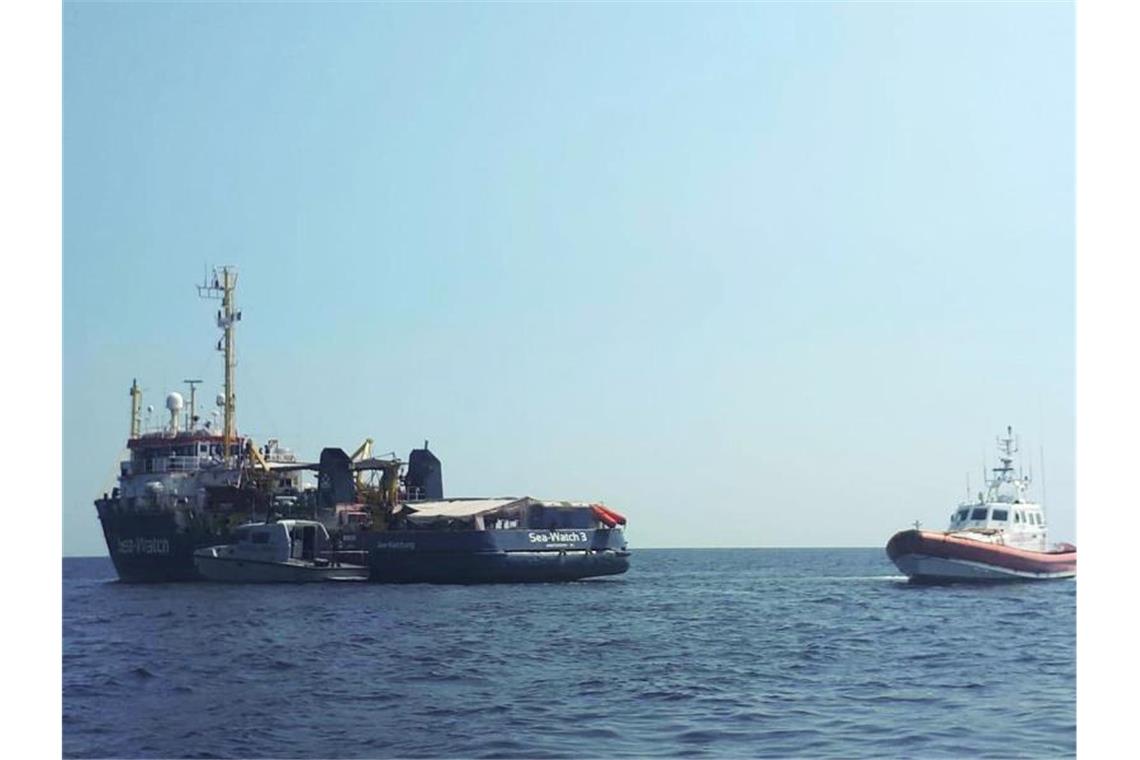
[335,484]
[425,475]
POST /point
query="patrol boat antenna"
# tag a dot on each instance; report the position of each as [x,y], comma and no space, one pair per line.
[223,285]
[1008,446]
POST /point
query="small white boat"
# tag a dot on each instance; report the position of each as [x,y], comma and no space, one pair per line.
[285,551]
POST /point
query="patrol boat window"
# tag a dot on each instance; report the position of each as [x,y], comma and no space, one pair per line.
[1001,514]
[962,514]
[979,514]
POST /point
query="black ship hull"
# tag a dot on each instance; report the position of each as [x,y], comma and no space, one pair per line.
[152,547]
[495,556]
[158,547]
[496,567]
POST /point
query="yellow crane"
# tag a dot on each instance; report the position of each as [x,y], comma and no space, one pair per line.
[364,452]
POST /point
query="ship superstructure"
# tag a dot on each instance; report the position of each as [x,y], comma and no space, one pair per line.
[1005,506]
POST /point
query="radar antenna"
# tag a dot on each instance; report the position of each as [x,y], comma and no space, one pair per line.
[193,408]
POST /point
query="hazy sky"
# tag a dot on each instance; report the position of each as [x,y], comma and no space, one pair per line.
[755,275]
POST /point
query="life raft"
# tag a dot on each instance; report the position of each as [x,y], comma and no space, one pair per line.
[610,518]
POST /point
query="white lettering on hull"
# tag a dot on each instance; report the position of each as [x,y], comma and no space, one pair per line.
[144,546]
[397,545]
[557,538]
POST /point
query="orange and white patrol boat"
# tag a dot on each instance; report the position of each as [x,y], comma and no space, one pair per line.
[1000,537]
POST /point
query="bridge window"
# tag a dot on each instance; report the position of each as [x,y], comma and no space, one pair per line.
[979,514]
[962,514]
[1001,514]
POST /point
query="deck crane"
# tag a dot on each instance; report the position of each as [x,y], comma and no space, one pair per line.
[362,453]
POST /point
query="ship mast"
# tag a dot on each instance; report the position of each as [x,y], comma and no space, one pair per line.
[136,404]
[223,286]
[1007,447]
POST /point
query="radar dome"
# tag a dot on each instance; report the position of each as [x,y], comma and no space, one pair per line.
[174,402]
[220,400]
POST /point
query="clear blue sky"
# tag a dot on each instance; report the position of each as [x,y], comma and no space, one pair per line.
[755,275]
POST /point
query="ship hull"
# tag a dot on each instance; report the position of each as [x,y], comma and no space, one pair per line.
[495,556]
[496,567]
[934,557]
[151,547]
[155,548]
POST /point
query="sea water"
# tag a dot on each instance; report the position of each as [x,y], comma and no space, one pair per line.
[726,652]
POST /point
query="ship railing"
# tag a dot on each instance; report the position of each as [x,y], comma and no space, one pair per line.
[282,458]
[176,464]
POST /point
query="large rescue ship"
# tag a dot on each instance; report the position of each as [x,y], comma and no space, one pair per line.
[189,485]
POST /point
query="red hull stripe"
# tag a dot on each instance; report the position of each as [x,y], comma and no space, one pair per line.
[948,546]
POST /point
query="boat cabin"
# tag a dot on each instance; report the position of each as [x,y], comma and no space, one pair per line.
[179,467]
[180,452]
[1004,510]
[281,541]
[1021,523]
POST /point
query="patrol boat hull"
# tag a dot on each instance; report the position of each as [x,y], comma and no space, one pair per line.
[214,566]
[944,557]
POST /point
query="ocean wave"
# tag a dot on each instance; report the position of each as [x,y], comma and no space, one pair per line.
[791,661]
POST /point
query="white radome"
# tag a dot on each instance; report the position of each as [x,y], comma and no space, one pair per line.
[174,402]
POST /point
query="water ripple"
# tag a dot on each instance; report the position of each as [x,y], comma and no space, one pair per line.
[725,653]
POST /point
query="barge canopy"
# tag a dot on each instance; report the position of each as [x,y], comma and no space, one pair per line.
[424,511]
[459,508]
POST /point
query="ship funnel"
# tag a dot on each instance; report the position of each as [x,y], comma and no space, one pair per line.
[335,484]
[425,475]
